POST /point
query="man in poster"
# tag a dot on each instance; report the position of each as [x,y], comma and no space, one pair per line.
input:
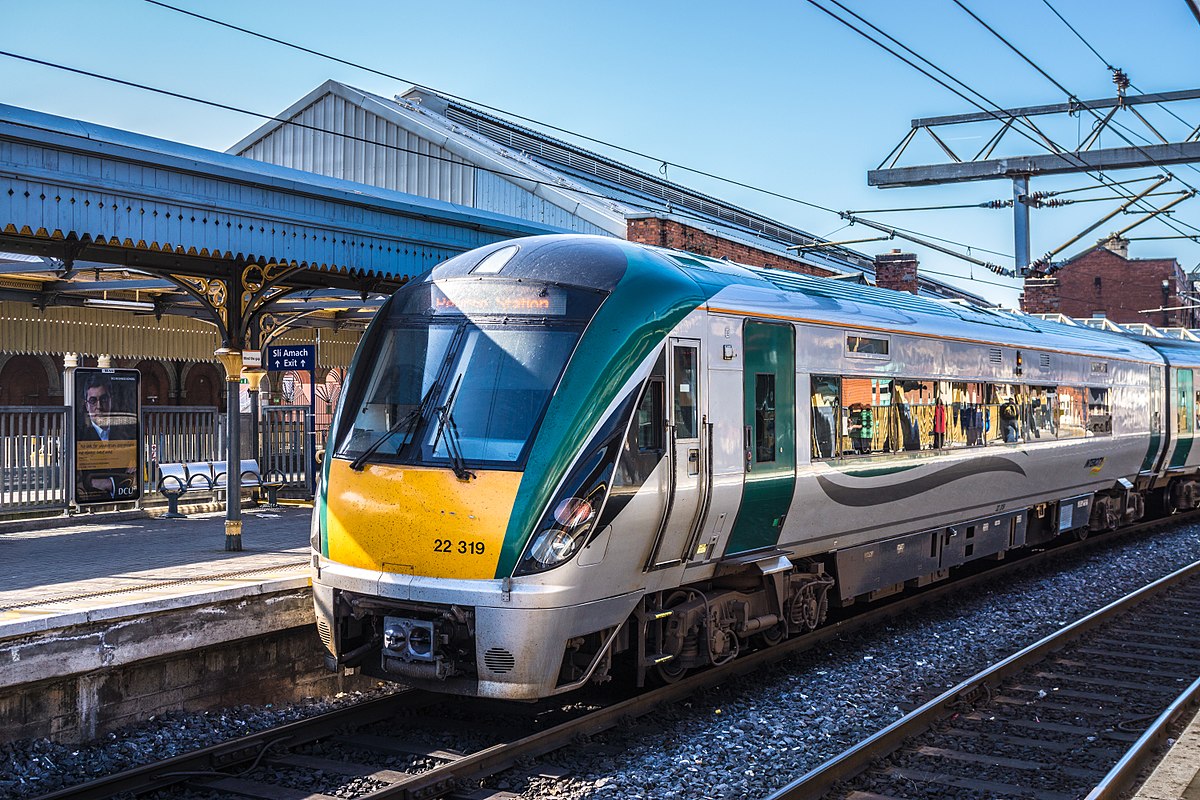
[106,436]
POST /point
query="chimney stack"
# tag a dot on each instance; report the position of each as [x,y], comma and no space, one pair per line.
[896,271]
[1116,244]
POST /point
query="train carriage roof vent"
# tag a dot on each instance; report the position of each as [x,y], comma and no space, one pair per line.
[996,355]
[499,661]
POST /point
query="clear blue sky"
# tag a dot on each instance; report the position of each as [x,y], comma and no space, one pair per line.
[773,94]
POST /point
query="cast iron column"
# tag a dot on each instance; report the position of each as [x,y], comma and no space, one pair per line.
[231,359]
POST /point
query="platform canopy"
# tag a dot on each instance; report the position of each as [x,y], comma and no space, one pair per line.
[112,221]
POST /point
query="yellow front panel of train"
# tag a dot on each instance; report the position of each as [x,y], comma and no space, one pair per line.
[418,520]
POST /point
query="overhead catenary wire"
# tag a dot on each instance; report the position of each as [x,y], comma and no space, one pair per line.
[995,109]
[513,115]
[1105,61]
[1072,97]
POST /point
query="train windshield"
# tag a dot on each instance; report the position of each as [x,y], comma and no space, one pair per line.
[450,388]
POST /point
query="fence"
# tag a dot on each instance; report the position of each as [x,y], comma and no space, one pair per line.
[287,444]
[33,460]
[33,472]
[184,434]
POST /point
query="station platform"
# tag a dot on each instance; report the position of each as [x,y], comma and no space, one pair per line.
[64,570]
[106,619]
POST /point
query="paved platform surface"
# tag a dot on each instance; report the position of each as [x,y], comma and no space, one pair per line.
[68,568]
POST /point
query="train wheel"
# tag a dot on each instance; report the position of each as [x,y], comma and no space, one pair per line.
[670,672]
[773,635]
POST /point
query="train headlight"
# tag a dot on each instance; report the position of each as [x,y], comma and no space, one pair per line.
[554,546]
[573,512]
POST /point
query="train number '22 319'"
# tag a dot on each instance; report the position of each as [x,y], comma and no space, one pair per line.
[448,546]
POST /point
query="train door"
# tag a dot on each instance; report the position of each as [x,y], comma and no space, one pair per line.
[1151,461]
[1184,417]
[769,385]
[687,450]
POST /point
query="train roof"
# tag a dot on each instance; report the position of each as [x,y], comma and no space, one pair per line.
[599,263]
[830,301]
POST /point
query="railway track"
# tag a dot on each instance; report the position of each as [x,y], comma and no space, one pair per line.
[1075,715]
[390,747]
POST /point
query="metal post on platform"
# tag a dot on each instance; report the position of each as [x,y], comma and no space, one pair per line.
[310,449]
[254,377]
[231,359]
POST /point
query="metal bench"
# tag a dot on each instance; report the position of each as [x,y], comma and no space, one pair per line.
[176,480]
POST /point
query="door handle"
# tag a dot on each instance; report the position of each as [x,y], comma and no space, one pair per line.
[749,450]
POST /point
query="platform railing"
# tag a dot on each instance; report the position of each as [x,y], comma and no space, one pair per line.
[183,434]
[32,463]
[287,444]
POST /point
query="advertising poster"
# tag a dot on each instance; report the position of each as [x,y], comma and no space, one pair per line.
[107,436]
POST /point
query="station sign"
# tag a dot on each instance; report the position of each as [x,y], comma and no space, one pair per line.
[252,359]
[282,358]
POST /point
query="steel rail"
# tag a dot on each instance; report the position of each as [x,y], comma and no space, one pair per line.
[850,763]
[1124,772]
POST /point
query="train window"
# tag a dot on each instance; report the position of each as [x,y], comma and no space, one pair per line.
[1099,413]
[1072,422]
[1184,406]
[860,410]
[826,405]
[867,346]
[968,413]
[1042,417]
[650,418]
[686,392]
[1003,415]
[501,382]
[1156,399]
[408,362]
[902,424]
[764,417]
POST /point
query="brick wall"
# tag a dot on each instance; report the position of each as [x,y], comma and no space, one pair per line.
[1107,282]
[897,271]
[665,232]
[1041,296]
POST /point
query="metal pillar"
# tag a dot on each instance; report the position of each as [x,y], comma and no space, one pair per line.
[1021,223]
[231,359]
[254,379]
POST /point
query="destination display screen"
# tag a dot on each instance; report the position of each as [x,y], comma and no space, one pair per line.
[500,299]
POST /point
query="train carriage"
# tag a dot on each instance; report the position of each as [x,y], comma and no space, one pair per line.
[560,450]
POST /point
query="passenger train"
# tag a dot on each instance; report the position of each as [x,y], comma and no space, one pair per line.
[558,454]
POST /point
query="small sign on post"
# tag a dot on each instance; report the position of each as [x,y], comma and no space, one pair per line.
[252,359]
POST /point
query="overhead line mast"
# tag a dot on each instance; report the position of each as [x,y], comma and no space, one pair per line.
[1020,169]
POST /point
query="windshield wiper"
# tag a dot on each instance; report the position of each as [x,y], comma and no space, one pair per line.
[446,425]
[406,424]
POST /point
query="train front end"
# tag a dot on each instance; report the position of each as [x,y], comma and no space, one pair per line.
[448,501]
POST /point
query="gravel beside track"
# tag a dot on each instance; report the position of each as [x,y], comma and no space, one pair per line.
[742,741]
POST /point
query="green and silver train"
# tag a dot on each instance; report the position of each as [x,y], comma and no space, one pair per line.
[557,453]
